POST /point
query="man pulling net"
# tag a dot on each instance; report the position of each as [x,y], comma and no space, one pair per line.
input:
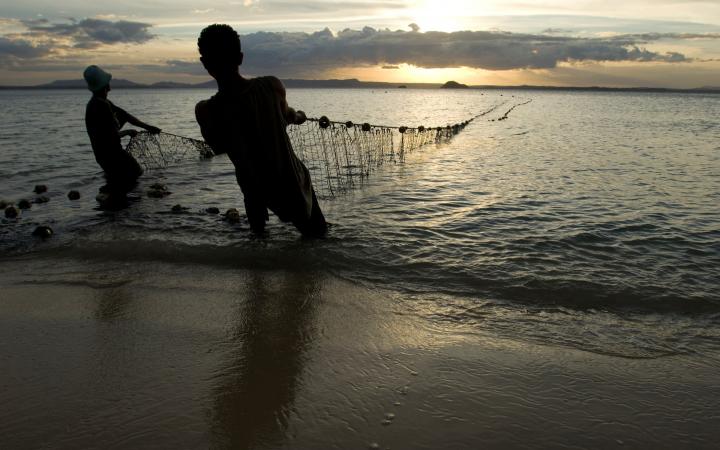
[247,119]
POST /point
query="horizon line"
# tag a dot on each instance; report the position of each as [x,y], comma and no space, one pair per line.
[129,84]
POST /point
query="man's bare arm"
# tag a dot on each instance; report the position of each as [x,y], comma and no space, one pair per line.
[131,133]
[291,116]
[202,115]
[139,123]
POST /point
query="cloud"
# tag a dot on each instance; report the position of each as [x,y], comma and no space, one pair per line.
[39,41]
[315,55]
[299,53]
[177,67]
[21,49]
[330,6]
[648,37]
[90,33]
[555,31]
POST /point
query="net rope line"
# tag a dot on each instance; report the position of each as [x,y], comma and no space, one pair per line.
[340,156]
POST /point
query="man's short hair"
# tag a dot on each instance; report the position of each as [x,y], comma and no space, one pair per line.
[219,42]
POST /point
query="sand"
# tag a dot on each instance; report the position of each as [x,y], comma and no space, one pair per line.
[160,355]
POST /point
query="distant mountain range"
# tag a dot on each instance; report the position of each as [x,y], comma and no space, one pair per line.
[355,84]
[211,84]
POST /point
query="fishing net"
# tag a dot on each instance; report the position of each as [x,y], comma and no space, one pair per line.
[159,150]
[339,155]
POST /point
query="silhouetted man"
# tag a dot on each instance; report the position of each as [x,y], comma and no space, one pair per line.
[103,121]
[247,119]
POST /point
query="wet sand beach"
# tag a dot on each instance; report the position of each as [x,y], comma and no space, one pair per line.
[160,355]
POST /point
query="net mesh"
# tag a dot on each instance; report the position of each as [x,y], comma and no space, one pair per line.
[339,155]
[159,150]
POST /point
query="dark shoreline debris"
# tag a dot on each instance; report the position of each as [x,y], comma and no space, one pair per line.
[73,195]
[212,210]
[232,215]
[158,190]
[11,212]
[43,231]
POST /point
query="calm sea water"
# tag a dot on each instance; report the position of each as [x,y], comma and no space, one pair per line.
[588,220]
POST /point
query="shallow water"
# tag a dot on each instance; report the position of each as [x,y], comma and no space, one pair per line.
[585,220]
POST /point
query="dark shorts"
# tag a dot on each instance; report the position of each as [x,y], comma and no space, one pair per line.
[121,171]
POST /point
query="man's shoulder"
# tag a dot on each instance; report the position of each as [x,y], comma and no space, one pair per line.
[202,104]
[97,101]
[271,80]
[118,111]
[208,108]
[97,106]
[208,101]
[202,110]
[268,78]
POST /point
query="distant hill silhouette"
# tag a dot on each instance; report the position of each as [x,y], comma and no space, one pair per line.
[77,84]
[353,83]
[123,84]
[211,84]
[454,85]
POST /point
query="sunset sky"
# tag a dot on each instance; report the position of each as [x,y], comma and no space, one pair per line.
[669,43]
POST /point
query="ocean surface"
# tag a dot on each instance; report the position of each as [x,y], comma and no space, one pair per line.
[585,220]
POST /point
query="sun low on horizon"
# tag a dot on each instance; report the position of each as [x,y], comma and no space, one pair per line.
[446,16]
[612,43]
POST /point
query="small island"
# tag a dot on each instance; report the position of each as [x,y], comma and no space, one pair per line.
[454,85]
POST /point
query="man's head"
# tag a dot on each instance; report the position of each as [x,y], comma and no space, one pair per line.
[98,81]
[220,50]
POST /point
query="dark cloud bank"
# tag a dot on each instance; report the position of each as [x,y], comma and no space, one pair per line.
[90,33]
[476,49]
[308,53]
[43,38]
[311,54]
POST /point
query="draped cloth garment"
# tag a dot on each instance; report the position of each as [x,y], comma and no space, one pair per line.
[249,125]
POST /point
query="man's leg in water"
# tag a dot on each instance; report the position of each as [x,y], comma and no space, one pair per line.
[257,213]
[315,225]
[121,173]
[113,195]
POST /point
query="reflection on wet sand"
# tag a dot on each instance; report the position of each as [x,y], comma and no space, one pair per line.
[255,388]
[113,304]
[146,355]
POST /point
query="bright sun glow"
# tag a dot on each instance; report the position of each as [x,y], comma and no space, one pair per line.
[406,73]
[444,15]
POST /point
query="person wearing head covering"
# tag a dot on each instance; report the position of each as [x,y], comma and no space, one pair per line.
[103,121]
[247,119]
